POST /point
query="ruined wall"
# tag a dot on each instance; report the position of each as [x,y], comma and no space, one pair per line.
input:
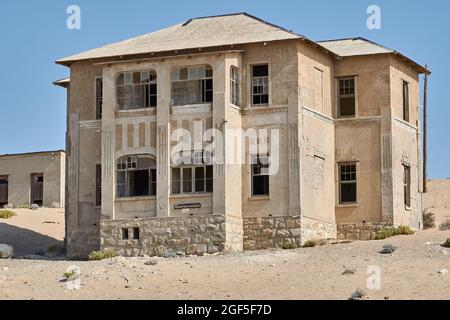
[19,168]
[175,235]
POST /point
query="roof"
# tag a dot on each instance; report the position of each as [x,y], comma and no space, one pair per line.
[63,82]
[212,31]
[32,153]
[359,47]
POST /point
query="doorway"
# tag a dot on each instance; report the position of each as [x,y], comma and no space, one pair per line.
[37,189]
[3,191]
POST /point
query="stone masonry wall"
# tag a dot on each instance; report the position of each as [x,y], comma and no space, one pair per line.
[159,236]
[359,231]
[272,232]
[316,230]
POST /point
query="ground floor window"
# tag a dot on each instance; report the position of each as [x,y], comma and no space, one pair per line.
[407,185]
[347,183]
[98,185]
[260,176]
[3,191]
[192,179]
[136,176]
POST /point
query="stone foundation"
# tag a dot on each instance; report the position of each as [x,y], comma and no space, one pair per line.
[317,230]
[175,235]
[359,231]
[272,232]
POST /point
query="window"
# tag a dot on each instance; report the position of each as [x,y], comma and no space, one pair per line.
[98,185]
[406,101]
[346,97]
[195,178]
[347,184]
[260,84]
[191,85]
[136,90]
[260,176]
[98,98]
[3,191]
[136,234]
[235,91]
[125,234]
[407,185]
[136,176]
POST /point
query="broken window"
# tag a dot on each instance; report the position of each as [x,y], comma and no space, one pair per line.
[406,101]
[98,98]
[347,183]
[136,176]
[195,178]
[260,176]
[407,185]
[235,87]
[37,189]
[346,97]
[260,84]
[98,185]
[136,90]
[3,191]
[191,85]
[136,234]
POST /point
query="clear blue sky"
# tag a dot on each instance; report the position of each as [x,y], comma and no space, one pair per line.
[33,34]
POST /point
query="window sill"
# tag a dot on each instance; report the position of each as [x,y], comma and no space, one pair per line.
[408,208]
[191,195]
[259,198]
[347,205]
[199,107]
[145,111]
[128,199]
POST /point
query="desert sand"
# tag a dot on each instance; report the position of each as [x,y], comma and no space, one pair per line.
[411,272]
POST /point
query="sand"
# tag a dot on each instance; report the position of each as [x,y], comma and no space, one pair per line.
[411,272]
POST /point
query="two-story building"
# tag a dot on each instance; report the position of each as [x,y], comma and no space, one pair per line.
[284,140]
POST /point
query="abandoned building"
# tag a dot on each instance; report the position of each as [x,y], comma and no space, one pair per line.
[349,140]
[33,178]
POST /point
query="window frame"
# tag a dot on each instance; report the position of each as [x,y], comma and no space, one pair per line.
[98,185]
[254,163]
[251,95]
[405,101]
[130,166]
[407,185]
[340,183]
[339,96]
[235,86]
[203,84]
[98,98]
[150,83]
[193,179]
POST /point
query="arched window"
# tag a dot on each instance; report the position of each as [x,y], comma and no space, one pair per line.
[136,90]
[136,176]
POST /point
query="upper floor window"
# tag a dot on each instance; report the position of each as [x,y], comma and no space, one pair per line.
[98,97]
[136,176]
[346,97]
[235,92]
[406,101]
[260,84]
[136,90]
[192,85]
[347,183]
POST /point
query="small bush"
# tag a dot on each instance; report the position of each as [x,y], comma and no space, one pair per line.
[445,225]
[290,246]
[310,244]
[446,244]
[6,214]
[393,231]
[23,206]
[428,220]
[101,255]
[68,275]
[357,295]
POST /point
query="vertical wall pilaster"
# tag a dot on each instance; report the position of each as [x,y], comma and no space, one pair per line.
[387,183]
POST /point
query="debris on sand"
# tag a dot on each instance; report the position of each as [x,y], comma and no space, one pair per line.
[357,295]
[388,249]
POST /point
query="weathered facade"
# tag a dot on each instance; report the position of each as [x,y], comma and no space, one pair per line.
[32,178]
[345,144]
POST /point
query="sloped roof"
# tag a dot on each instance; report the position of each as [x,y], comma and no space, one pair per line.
[359,47]
[195,33]
[63,82]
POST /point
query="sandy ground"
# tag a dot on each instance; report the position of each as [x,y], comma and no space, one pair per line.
[411,272]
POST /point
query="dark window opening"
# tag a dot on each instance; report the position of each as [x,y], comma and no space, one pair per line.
[136,176]
[346,98]
[136,90]
[3,191]
[98,98]
[260,84]
[347,184]
[405,101]
[407,185]
[136,234]
[98,185]
[260,176]
[125,234]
